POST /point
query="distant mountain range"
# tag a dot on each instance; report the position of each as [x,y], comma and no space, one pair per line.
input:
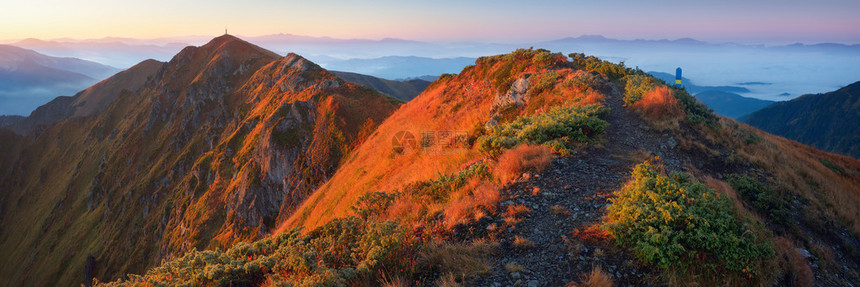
[829,121]
[116,52]
[29,79]
[403,90]
[399,67]
[724,100]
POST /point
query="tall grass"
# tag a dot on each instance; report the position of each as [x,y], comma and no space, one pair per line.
[659,103]
[512,163]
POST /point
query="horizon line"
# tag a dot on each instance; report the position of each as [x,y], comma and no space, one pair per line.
[167,39]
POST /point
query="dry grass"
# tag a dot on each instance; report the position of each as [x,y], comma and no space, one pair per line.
[798,169]
[559,210]
[514,267]
[513,213]
[468,203]
[402,208]
[523,158]
[396,281]
[461,259]
[639,155]
[447,280]
[596,278]
[522,242]
[659,104]
[592,233]
[792,263]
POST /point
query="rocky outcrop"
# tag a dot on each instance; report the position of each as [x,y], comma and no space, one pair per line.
[516,95]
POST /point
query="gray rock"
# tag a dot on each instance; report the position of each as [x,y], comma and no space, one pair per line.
[805,253]
[533,283]
[514,96]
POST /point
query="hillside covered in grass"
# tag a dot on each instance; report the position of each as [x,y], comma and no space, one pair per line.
[234,166]
[825,121]
[533,168]
[201,152]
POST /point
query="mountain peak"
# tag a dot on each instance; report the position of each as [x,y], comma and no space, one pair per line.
[229,43]
[224,38]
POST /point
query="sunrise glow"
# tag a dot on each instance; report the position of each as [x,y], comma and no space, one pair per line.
[503,21]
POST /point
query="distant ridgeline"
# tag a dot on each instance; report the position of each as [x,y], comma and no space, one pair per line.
[828,121]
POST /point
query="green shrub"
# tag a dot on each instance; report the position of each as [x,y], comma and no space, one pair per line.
[678,224]
[636,86]
[372,204]
[697,113]
[545,82]
[762,197]
[439,189]
[605,68]
[560,129]
[511,65]
[833,167]
[347,251]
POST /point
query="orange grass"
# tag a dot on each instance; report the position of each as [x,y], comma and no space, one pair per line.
[466,203]
[523,158]
[659,103]
[452,103]
[596,278]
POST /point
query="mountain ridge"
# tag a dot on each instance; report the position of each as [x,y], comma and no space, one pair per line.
[508,169]
[820,120]
[206,152]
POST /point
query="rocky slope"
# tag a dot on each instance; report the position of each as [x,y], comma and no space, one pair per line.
[200,152]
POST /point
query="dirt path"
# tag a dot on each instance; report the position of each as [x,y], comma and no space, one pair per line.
[572,196]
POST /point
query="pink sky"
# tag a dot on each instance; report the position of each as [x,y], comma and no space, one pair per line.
[767,21]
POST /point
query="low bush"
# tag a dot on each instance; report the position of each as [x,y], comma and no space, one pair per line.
[347,251]
[608,69]
[697,113]
[678,224]
[438,190]
[636,86]
[560,129]
[761,196]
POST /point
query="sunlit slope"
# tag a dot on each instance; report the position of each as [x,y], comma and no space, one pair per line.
[499,87]
[208,151]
